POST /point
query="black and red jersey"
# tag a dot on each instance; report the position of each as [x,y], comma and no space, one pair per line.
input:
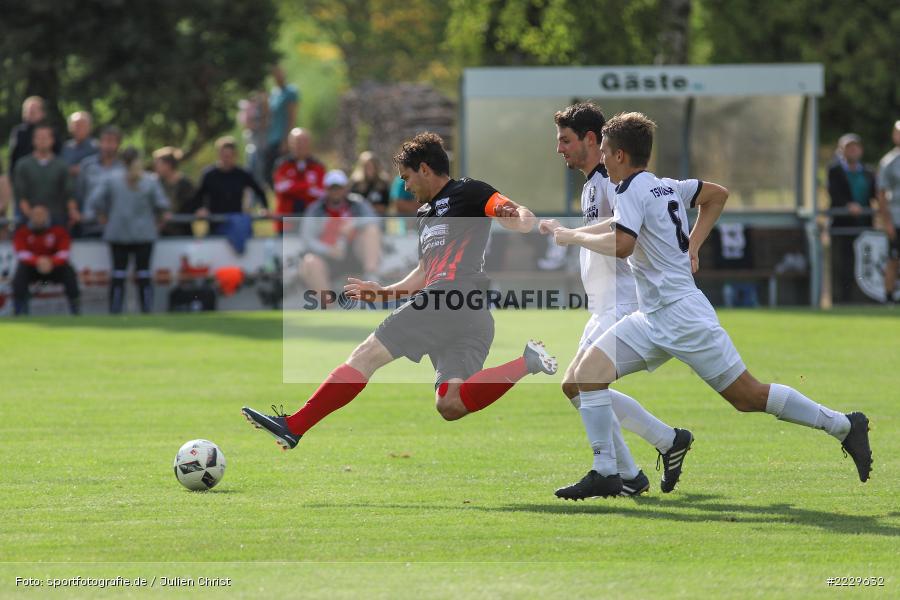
[454,228]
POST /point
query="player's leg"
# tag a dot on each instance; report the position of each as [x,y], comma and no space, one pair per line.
[119,254]
[341,386]
[633,477]
[463,385]
[715,359]
[747,394]
[593,373]
[142,254]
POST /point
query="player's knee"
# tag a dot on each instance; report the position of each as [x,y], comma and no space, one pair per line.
[593,372]
[448,403]
[570,389]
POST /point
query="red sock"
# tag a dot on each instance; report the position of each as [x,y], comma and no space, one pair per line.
[486,386]
[338,389]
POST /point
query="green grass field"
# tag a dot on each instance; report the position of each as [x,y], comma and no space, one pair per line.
[386,500]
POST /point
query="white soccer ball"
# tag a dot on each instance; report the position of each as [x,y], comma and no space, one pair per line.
[199,465]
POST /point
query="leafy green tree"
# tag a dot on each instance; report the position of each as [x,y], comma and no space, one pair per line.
[171,69]
[858,42]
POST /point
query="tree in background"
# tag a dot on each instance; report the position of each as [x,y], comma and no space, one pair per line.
[172,69]
[858,42]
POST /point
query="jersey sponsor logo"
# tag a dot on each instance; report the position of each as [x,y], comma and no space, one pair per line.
[591,214]
[442,206]
[434,236]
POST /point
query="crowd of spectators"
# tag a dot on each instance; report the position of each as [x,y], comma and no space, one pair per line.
[89,186]
[858,193]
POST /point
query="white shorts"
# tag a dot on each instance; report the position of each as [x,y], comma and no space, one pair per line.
[687,329]
[599,323]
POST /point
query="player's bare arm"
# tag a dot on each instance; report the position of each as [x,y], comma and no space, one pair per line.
[510,215]
[611,243]
[710,203]
[367,290]
[548,226]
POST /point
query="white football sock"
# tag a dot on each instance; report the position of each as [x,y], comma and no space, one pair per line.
[625,464]
[597,416]
[788,404]
[636,419]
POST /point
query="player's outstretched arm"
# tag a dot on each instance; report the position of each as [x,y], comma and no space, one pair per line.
[509,214]
[373,291]
[606,242]
[710,203]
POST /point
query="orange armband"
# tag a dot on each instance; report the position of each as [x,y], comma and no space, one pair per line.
[494,202]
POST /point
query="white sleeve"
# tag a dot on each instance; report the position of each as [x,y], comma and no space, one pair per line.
[628,212]
[687,190]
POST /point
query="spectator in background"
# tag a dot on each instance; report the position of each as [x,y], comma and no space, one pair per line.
[130,202]
[341,234]
[81,144]
[284,101]
[42,178]
[298,177]
[371,182]
[889,207]
[851,186]
[253,117]
[223,184]
[178,189]
[404,202]
[42,251]
[22,135]
[94,168]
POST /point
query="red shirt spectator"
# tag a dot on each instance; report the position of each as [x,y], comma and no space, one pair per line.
[299,179]
[43,254]
[298,184]
[53,242]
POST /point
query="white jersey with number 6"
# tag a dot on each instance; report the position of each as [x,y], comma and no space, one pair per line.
[653,210]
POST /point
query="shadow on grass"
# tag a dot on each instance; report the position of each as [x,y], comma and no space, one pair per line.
[685,508]
[254,326]
[706,507]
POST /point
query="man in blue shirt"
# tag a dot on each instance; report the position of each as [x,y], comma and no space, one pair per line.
[284,100]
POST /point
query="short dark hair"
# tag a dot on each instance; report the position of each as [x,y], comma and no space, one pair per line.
[632,133]
[44,125]
[425,148]
[581,118]
[112,130]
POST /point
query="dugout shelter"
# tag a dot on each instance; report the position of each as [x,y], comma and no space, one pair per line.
[753,128]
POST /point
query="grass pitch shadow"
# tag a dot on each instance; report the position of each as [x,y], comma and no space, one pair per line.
[698,508]
[685,507]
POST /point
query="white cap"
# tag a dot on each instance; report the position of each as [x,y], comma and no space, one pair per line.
[336,177]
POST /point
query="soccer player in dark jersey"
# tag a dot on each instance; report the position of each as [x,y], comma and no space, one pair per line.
[453,229]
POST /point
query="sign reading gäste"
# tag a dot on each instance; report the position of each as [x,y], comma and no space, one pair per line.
[619,81]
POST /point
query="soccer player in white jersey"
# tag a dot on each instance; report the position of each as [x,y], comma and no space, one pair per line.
[675,318]
[610,288]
